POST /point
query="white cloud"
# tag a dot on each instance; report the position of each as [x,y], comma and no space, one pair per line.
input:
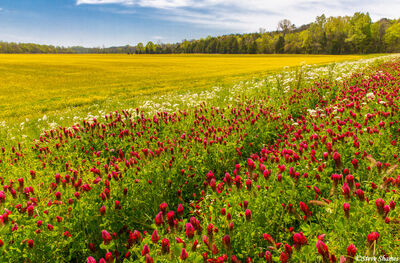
[249,15]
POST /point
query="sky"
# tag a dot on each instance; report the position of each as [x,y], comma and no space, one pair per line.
[98,23]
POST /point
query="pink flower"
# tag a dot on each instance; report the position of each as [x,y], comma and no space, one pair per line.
[299,240]
[226,242]
[380,204]
[195,244]
[346,208]
[184,254]
[106,237]
[337,158]
[234,259]
[146,250]
[323,250]
[180,210]
[346,191]
[250,164]
[117,204]
[163,207]
[372,237]
[317,191]
[248,214]
[109,257]
[386,210]
[351,252]
[268,257]
[206,241]
[92,247]
[223,211]
[288,250]
[30,243]
[248,184]
[210,228]
[149,259]
[238,181]
[165,246]
[159,219]
[170,218]
[102,210]
[135,236]
[228,179]
[189,230]
[269,239]
[154,236]
[354,162]
[214,249]
[284,257]
[360,194]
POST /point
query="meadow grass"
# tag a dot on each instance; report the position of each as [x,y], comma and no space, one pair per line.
[32,86]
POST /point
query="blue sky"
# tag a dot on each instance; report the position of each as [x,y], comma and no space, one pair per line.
[120,22]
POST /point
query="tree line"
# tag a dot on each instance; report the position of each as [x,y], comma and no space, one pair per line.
[30,48]
[332,35]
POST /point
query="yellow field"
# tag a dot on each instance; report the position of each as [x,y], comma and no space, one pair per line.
[34,85]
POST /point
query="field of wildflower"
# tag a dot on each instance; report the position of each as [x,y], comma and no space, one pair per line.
[36,85]
[297,166]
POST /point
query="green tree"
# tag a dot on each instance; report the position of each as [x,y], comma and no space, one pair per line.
[234,45]
[252,47]
[318,35]
[293,43]
[392,37]
[378,31]
[150,48]
[360,33]
[280,45]
[139,48]
[243,46]
[336,29]
[212,46]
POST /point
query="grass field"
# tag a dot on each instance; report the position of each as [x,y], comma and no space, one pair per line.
[34,85]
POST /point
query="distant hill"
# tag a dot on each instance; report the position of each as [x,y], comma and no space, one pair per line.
[332,35]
